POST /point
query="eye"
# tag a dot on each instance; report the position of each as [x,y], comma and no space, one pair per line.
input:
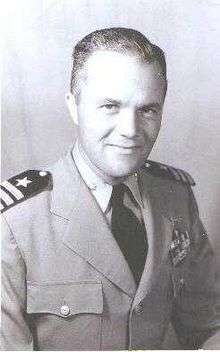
[148,111]
[110,108]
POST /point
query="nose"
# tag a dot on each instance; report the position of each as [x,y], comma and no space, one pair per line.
[127,124]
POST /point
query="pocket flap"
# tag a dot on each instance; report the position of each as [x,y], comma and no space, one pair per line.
[65,299]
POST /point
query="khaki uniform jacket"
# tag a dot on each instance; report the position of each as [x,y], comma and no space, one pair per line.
[67,286]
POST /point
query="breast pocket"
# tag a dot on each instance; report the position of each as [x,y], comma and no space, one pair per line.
[65,316]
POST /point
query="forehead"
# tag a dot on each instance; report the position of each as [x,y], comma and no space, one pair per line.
[119,75]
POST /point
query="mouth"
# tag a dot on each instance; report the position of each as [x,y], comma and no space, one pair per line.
[121,149]
[126,147]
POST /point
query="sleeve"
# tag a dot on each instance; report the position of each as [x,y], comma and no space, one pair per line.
[196,313]
[15,333]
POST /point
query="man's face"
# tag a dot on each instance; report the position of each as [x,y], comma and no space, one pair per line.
[119,112]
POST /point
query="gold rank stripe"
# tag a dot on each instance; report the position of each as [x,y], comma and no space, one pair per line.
[13,190]
[5,197]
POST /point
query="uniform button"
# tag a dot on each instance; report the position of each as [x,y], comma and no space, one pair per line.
[42,173]
[147,165]
[139,308]
[64,310]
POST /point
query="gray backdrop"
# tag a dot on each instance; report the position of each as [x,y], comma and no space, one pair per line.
[36,70]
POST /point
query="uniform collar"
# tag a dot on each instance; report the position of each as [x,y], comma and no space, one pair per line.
[100,189]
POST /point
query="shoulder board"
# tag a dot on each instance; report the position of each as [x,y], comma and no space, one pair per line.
[23,186]
[163,170]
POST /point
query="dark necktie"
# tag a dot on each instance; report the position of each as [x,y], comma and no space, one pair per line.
[128,231]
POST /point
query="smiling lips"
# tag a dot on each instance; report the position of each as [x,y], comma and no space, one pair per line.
[125,148]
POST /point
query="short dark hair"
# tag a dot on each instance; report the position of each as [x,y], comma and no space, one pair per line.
[123,40]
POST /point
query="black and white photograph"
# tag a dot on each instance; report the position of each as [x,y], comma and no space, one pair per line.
[110,175]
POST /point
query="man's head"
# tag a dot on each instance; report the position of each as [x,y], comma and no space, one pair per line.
[118,86]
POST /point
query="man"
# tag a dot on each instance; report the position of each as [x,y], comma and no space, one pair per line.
[105,248]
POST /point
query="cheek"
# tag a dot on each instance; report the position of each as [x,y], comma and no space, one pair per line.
[151,129]
[92,134]
[92,118]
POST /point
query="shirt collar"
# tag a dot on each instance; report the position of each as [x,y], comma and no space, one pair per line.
[100,189]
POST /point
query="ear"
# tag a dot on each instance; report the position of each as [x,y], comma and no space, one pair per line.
[71,104]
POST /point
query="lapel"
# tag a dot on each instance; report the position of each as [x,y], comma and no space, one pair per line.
[159,233]
[87,232]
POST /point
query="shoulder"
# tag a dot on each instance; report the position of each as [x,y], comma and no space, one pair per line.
[169,172]
[24,186]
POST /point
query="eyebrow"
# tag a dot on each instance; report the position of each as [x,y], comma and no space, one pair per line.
[150,105]
[111,101]
[118,102]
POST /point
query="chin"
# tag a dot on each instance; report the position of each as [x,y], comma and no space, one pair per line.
[123,170]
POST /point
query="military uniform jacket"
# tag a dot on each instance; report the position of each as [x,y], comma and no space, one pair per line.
[67,286]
